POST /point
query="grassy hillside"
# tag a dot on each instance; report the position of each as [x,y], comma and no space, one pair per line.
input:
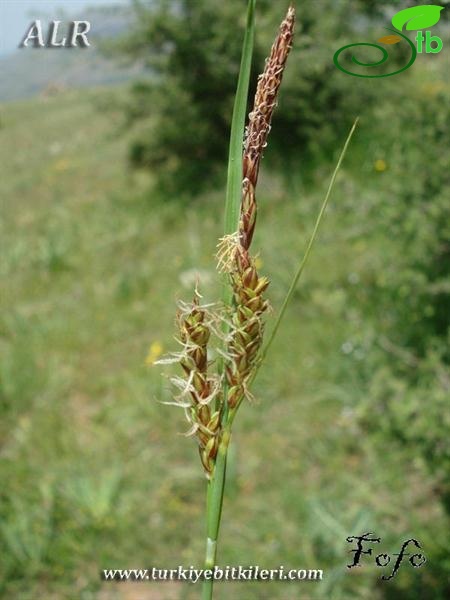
[94,472]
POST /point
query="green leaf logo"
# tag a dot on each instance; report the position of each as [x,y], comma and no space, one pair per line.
[417,17]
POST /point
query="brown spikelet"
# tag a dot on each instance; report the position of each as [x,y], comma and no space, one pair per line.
[199,389]
[259,123]
[203,395]
[248,287]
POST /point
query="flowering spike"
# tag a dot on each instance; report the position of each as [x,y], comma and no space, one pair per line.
[201,394]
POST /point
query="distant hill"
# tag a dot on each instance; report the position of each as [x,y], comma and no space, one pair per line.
[32,71]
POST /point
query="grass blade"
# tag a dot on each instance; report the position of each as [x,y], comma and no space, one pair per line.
[312,239]
[232,210]
[234,176]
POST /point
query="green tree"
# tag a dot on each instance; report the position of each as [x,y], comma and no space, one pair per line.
[182,111]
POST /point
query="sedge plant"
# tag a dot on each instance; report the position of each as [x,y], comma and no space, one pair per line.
[211,391]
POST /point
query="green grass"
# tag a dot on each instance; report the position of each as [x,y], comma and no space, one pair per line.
[94,472]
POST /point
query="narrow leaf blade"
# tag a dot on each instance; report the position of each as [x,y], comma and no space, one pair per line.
[304,260]
[234,180]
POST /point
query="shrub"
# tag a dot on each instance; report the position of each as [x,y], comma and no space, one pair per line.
[182,111]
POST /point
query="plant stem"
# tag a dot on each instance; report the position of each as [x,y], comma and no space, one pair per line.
[216,487]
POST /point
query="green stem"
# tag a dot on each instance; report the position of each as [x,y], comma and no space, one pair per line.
[216,487]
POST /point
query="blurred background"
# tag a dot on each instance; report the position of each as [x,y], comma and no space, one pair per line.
[112,176]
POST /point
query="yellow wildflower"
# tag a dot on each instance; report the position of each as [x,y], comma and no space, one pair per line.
[154,352]
[62,164]
[380,165]
[432,88]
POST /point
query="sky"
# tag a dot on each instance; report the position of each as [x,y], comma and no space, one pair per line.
[16,16]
